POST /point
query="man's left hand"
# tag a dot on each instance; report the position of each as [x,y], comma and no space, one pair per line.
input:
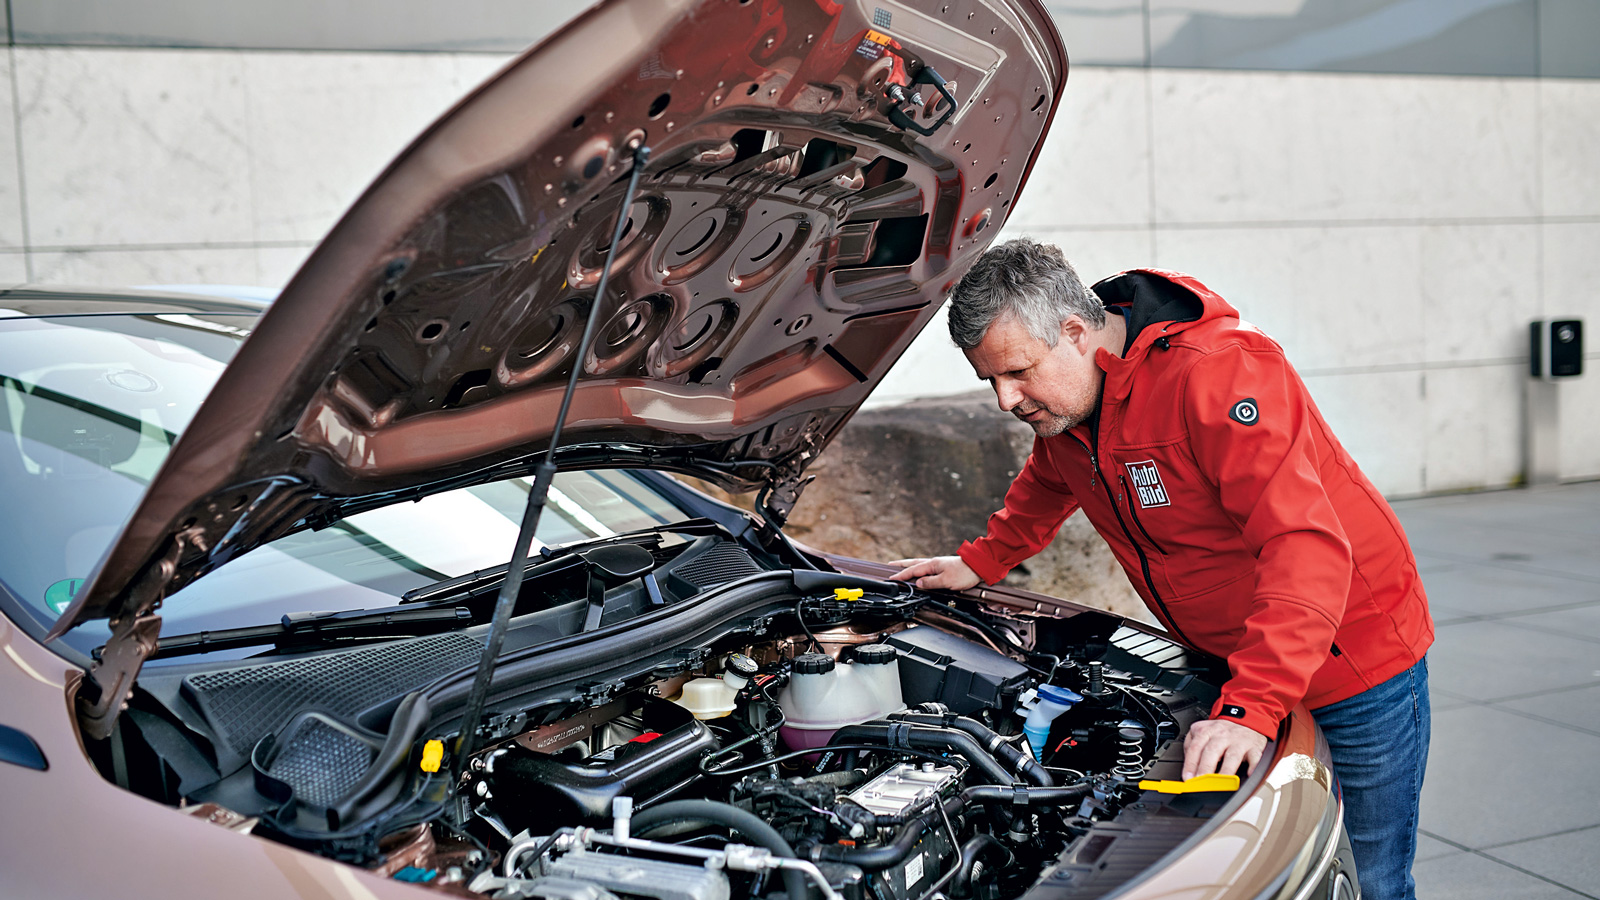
[1218,745]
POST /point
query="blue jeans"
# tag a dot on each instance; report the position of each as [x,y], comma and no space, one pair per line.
[1379,742]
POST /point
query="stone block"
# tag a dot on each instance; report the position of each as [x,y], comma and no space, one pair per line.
[920,478]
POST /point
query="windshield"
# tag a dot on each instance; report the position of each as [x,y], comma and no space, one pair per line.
[89,408]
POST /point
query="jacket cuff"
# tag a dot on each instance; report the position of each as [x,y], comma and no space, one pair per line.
[1251,717]
[981,563]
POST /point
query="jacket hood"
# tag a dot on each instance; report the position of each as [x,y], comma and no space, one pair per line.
[794,229]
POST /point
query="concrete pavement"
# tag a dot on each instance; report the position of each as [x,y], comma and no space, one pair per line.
[1511,806]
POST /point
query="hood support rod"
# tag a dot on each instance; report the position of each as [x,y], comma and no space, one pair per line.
[543,475]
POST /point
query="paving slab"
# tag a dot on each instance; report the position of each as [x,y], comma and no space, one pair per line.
[1510,511]
[1495,777]
[1564,548]
[1489,660]
[1572,859]
[1433,848]
[1467,876]
[1578,709]
[1480,590]
[1582,621]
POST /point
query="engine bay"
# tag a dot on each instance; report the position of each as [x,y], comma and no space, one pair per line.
[699,720]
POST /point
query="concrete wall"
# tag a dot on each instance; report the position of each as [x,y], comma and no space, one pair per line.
[1395,232]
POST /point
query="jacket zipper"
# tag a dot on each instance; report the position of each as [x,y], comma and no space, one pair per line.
[1144,561]
[1336,650]
[1135,513]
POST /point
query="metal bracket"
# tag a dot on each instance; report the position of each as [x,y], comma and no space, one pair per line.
[134,636]
[899,100]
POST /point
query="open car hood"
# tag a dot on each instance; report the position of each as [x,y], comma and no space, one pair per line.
[792,233]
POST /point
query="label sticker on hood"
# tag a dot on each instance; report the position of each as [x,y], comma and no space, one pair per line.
[872,45]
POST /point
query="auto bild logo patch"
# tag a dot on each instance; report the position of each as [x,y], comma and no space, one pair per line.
[1147,482]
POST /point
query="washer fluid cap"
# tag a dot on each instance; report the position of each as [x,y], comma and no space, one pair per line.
[874,654]
[813,664]
[1058,694]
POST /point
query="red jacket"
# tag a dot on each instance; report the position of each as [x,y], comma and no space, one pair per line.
[1239,518]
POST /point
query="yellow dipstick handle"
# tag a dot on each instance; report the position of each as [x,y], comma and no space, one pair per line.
[1195,785]
[432,755]
[848,593]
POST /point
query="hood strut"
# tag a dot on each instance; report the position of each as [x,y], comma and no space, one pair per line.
[543,475]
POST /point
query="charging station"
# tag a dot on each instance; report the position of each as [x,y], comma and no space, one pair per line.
[1555,354]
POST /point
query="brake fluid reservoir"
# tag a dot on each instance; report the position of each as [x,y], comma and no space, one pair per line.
[713,698]
[824,696]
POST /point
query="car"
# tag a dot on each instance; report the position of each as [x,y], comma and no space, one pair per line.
[389,587]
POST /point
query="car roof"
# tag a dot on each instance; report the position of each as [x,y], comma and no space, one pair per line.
[29,301]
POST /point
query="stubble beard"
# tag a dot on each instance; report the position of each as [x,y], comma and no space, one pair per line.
[1051,423]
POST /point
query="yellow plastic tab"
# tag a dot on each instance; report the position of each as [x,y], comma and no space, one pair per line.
[848,593]
[432,755]
[1195,785]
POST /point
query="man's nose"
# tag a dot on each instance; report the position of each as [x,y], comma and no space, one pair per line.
[1006,394]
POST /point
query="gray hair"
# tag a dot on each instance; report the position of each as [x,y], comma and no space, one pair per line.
[1025,279]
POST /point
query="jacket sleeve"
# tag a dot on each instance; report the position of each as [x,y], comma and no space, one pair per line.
[1252,428]
[1036,504]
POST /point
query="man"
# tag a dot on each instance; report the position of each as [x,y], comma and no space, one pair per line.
[1194,449]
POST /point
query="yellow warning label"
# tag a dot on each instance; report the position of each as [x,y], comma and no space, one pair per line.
[877,38]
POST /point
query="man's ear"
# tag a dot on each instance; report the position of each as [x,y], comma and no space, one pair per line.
[1075,331]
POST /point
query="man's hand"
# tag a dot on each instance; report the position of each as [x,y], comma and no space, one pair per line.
[1218,745]
[947,572]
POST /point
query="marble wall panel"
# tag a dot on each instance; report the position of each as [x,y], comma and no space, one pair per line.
[278,264]
[1572,288]
[323,125]
[1572,275]
[132,268]
[141,147]
[13,267]
[1580,425]
[1569,122]
[1336,298]
[1265,146]
[1094,168]
[12,234]
[1478,290]
[1474,437]
[1381,418]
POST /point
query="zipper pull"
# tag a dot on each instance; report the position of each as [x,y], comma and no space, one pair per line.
[1094,468]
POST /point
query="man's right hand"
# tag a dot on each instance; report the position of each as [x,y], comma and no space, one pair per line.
[946,572]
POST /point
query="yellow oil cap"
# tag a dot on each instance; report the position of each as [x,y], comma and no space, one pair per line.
[1195,785]
[432,755]
[848,593]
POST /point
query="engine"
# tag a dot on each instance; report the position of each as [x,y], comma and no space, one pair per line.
[749,732]
[901,764]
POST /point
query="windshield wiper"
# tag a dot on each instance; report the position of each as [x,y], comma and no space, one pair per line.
[321,627]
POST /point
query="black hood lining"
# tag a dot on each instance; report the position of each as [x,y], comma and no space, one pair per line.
[1151,299]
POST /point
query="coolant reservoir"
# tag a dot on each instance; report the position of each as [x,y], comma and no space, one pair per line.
[824,696]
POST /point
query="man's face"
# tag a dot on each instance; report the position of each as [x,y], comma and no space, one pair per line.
[1051,388]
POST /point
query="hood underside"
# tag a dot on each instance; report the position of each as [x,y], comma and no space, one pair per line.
[787,242]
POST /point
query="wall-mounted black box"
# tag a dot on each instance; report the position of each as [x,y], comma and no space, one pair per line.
[1555,348]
